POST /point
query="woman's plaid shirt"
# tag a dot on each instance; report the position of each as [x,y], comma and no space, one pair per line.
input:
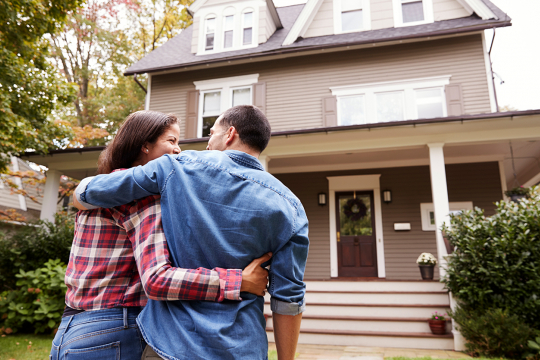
[119,254]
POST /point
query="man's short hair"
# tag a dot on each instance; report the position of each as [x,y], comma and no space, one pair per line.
[250,123]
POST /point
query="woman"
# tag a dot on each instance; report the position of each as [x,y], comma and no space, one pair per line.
[119,257]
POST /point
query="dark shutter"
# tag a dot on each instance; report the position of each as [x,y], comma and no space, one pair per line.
[192,115]
[454,100]
[329,111]
[259,96]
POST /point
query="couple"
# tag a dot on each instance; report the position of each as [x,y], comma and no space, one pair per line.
[219,210]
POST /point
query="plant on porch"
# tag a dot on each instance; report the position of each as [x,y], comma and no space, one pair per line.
[437,323]
[426,262]
[519,192]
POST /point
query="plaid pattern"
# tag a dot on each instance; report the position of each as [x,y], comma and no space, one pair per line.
[112,247]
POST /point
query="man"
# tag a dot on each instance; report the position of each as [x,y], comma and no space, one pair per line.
[220,209]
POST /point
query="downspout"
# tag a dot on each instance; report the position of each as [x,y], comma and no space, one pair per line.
[146,92]
[491,68]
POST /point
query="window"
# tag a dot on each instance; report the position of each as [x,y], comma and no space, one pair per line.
[247,28]
[351,15]
[218,95]
[210,31]
[412,12]
[228,28]
[428,213]
[391,101]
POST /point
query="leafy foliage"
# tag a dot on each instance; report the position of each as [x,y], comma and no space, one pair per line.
[32,246]
[38,301]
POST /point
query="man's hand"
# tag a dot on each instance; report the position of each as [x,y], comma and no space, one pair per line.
[255,277]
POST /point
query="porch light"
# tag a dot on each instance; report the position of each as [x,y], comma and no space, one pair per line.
[322,199]
[387,196]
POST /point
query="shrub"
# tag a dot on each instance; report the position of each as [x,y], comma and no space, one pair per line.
[38,302]
[32,246]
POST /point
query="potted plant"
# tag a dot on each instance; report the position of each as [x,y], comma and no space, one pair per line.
[426,262]
[517,193]
[437,323]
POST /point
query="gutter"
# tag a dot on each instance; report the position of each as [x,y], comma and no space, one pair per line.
[297,49]
[141,85]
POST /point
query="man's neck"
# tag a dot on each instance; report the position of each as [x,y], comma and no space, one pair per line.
[245,149]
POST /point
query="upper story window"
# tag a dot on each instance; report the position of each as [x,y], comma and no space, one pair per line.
[210,29]
[412,12]
[228,31]
[247,26]
[218,95]
[391,101]
[351,16]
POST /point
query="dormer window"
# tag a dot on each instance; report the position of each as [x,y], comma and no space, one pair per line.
[351,16]
[228,31]
[247,26]
[412,12]
[210,29]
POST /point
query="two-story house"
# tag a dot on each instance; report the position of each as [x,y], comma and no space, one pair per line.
[384,120]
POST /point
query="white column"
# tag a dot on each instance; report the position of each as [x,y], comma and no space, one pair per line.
[50,195]
[18,181]
[264,159]
[439,191]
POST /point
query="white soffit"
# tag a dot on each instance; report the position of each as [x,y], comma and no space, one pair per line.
[478,7]
[304,20]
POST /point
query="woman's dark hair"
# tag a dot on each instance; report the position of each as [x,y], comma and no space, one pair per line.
[139,128]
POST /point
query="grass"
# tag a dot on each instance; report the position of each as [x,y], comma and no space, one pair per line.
[25,347]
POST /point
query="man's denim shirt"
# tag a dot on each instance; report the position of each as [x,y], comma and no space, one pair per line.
[219,209]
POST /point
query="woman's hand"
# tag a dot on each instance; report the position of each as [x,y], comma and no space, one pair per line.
[255,277]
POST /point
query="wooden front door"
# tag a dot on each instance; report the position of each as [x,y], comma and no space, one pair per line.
[357,248]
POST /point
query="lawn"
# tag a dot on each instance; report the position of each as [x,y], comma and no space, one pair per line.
[25,347]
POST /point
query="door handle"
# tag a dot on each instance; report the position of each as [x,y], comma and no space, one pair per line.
[338,237]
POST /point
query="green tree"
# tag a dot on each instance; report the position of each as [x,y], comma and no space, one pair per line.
[30,88]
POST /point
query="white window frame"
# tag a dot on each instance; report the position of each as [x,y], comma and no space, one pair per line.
[366,14]
[226,86]
[230,11]
[206,18]
[398,13]
[427,208]
[253,40]
[237,9]
[250,87]
[407,86]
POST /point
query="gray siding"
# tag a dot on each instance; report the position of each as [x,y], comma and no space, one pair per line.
[323,22]
[448,9]
[410,186]
[195,36]
[382,14]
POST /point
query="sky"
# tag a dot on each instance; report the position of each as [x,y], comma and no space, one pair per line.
[515,54]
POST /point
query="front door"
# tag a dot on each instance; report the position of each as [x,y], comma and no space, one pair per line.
[357,248]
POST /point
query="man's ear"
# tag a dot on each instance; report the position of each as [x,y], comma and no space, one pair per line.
[231,135]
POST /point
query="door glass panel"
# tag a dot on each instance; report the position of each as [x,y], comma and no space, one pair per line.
[355,215]
[413,11]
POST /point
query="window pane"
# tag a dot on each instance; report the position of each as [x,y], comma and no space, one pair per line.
[209,42]
[352,20]
[247,36]
[413,11]
[241,97]
[208,122]
[248,20]
[351,110]
[229,22]
[429,103]
[348,5]
[390,106]
[355,215]
[212,103]
[210,25]
[228,39]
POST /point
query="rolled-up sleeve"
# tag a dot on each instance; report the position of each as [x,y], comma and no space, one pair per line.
[287,287]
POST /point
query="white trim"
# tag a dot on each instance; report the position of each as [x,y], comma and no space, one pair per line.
[18,181]
[398,13]
[489,76]
[148,91]
[479,7]
[432,81]
[426,208]
[197,4]
[502,173]
[352,183]
[303,21]
[50,195]
[366,14]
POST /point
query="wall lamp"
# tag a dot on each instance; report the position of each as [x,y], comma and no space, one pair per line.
[322,199]
[387,196]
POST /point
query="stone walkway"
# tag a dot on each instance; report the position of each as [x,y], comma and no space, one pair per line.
[328,352]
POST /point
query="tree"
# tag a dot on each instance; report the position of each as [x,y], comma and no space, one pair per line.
[30,88]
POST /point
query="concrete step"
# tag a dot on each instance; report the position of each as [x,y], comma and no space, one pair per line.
[409,286]
[378,297]
[373,339]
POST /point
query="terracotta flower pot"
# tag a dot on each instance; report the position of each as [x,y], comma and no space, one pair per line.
[438,327]
[426,271]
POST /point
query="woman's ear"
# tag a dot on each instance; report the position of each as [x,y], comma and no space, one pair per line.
[145,148]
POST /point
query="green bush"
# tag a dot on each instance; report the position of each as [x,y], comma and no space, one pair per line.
[32,246]
[38,302]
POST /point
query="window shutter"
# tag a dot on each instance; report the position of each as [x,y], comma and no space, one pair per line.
[454,100]
[259,96]
[192,116]
[329,111]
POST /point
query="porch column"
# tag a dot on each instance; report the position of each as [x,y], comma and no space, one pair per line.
[264,159]
[439,191]
[50,195]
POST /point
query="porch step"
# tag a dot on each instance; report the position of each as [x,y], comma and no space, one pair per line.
[380,286]
[378,297]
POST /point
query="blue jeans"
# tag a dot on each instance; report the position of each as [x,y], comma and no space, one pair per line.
[110,334]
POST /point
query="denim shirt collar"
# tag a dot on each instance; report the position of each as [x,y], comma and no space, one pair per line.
[244,159]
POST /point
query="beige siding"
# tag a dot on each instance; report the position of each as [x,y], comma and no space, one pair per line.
[195,35]
[410,186]
[448,9]
[217,2]
[323,22]
[270,26]
[382,14]
[9,200]
[295,86]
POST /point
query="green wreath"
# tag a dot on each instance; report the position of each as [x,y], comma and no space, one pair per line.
[355,209]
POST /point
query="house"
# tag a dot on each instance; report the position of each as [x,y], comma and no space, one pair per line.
[384,120]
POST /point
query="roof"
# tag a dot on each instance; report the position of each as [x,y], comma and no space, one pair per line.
[176,53]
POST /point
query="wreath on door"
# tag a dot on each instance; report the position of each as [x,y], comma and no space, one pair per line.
[355,209]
